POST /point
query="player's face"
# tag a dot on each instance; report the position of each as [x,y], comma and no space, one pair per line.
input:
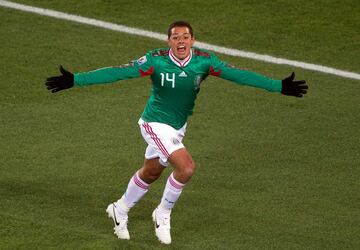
[180,42]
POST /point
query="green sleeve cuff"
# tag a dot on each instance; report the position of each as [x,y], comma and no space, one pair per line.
[277,86]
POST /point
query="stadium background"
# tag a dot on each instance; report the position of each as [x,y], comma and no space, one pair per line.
[273,172]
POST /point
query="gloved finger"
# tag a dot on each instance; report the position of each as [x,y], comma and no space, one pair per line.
[54,78]
[292,77]
[52,84]
[56,90]
[49,85]
[64,71]
[303,87]
[299,82]
[49,82]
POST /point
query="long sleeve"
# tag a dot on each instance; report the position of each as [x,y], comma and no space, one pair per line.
[243,77]
[137,68]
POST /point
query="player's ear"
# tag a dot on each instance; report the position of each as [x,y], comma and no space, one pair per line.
[192,40]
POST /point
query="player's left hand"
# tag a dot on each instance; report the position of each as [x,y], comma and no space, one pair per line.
[293,88]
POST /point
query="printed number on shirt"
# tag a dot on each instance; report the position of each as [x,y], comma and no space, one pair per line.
[168,79]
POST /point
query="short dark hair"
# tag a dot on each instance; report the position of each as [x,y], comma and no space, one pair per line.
[180,24]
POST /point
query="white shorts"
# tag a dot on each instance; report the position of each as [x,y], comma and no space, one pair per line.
[162,140]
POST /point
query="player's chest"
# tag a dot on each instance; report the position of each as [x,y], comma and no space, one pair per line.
[171,76]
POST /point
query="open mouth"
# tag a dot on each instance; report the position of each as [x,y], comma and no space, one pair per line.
[181,48]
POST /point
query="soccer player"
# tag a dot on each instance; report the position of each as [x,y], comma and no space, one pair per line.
[176,74]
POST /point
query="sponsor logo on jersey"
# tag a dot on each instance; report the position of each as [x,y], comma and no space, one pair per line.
[142,60]
[183,74]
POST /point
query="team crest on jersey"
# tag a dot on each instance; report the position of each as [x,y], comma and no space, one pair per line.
[142,60]
[197,83]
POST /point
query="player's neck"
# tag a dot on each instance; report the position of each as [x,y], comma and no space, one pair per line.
[178,61]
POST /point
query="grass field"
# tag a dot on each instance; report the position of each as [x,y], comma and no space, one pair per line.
[273,172]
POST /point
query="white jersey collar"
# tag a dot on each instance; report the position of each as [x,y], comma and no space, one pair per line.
[177,61]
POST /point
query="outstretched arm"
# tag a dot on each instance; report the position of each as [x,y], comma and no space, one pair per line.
[141,67]
[286,86]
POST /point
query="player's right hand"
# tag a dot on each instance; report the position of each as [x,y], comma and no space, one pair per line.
[61,82]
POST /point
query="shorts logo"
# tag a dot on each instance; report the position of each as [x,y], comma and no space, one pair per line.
[175,141]
[142,60]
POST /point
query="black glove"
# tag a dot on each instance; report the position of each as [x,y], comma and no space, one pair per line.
[293,88]
[57,83]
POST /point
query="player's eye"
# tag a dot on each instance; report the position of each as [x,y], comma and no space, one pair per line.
[178,38]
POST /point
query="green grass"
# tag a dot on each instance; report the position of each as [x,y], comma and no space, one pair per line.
[273,172]
[316,32]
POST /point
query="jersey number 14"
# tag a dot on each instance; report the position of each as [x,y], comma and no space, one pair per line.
[168,79]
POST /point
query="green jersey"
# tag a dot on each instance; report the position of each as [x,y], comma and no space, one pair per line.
[175,83]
